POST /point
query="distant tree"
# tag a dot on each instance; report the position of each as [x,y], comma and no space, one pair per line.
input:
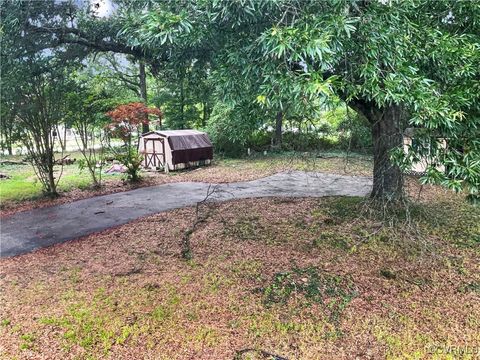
[9,129]
[85,114]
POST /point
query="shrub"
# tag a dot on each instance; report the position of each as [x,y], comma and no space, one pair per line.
[355,133]
[229,131]
[308,141]
[132,160]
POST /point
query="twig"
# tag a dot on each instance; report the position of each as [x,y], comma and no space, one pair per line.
[186,247]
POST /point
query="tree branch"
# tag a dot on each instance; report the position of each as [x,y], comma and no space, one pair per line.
[76,36]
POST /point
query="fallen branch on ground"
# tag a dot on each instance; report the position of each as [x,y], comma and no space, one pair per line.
[199,218]
[12,162]
[66,160]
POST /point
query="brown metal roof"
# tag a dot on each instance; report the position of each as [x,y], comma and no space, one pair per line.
[183,139]
[186,139]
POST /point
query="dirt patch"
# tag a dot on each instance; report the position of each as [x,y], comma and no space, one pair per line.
[127,291]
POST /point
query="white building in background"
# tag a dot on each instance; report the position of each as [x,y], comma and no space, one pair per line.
[64,133]
[411,141]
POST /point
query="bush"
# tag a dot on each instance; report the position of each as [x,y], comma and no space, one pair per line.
[353,130]
[229,131]
[260,140]
[310,141]
[232,134]
[132,160]
[355,134]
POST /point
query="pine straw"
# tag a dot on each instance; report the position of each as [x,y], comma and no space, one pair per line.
[223,171]
[126,292]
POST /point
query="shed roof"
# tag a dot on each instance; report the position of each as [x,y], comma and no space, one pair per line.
[184,139]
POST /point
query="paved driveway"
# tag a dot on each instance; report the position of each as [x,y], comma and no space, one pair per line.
[26,231]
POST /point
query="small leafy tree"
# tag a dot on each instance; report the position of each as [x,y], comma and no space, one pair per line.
[126,121]
[41,107]
[86,115]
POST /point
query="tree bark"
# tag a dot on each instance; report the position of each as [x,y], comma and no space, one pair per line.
[182,103]
[49,159]
[387,135]
[278,129]
[143,91]
[206,114]
[8,143]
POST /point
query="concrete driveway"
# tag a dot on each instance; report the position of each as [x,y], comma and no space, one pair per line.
[26,231]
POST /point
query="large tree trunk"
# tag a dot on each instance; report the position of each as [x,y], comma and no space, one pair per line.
[387,124]
[278,130]
[387,135]
[143,91]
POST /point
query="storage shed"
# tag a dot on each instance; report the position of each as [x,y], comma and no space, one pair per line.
[175,149]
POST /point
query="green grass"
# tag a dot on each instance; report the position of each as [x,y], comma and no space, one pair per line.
[27,341]
[23,183]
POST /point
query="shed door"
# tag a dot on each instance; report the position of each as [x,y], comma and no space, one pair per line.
[154,152]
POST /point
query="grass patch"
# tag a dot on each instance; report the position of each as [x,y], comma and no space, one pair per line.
[344,208]
[334,239]
[316,286]
[471,287]
[22,184]
[458,223]
[27,341]
[90,324]
[246,227]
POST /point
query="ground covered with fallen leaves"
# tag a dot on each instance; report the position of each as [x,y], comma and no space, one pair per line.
[221,171]
[330,278]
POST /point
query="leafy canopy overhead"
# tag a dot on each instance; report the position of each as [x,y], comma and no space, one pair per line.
[420,55]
